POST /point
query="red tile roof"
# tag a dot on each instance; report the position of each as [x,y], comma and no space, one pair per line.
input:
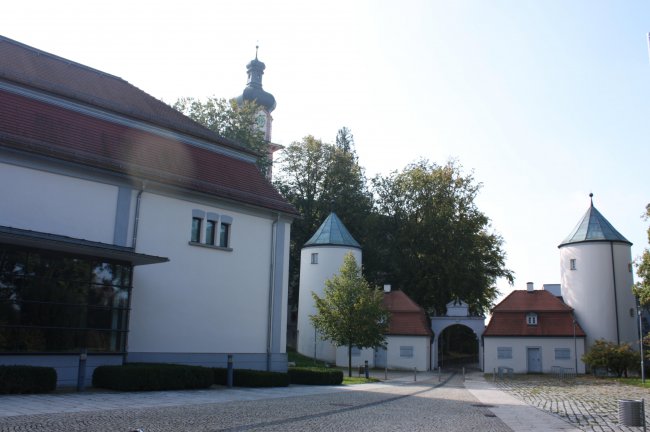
[554,318]
[35,126]
[406,317]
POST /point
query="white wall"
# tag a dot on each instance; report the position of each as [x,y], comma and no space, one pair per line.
[519,353]
[312,279]
[589,289]
[57,204]
[421,352]
[205,299]
[357,360]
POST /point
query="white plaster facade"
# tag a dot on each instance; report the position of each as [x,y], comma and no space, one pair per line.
[600,289]
[401,353]
[519,348]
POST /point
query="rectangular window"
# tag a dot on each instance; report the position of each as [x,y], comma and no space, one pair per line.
[531,318]
[356,352]
[314,258]
[562,353]
[196,230]
[406,351]
[504,352]
[210,232]
[572,263]
[224,234]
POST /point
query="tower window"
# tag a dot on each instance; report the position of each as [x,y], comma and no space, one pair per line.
[531,318]
[629,267]
[314,258]
[572,263]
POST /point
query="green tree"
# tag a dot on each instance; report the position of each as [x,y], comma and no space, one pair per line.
[232,121]
[437,245]
[642,286]
[616,358]
[351,312]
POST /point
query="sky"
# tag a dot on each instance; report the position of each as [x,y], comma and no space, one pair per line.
[543,101]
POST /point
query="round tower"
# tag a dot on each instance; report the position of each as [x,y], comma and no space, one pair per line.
[596,271]
[320,259]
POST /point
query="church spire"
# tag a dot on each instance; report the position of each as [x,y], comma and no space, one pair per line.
[254,91]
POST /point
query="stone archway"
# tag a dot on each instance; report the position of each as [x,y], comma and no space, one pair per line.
[457,314]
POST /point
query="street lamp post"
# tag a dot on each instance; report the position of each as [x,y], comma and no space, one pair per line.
[638,310]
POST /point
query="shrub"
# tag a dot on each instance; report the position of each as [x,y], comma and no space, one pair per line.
[152,376]
[251,378]
[27,379]
[315,376]
[616,358]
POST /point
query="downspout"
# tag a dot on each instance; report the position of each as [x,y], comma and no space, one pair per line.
[269,324]
[618,336]
[136,220]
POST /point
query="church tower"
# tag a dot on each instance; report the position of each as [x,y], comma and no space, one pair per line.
[255,93]
[320,259]
[596,271]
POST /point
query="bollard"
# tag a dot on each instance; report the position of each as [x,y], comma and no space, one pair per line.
[229,380]
[463,373]
[494,374]
[386,373]
[81,371]
[365,369]
[415,374]
[439,374]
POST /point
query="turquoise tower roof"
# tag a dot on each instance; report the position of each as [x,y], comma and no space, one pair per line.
[594,227]
[332,232]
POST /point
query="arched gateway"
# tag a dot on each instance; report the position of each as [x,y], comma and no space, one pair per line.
[457,314]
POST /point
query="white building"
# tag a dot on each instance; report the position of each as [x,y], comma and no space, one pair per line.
[597,279]
[129,231]
[533,331]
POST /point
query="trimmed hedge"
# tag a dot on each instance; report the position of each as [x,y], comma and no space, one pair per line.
[152,376]
[251,378]
[27,379]
[315,376]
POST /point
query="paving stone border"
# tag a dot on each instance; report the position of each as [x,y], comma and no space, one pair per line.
[589,403]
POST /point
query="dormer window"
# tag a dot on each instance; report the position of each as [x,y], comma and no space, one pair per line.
[531,318]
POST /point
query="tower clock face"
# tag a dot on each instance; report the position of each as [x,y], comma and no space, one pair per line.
[261,120]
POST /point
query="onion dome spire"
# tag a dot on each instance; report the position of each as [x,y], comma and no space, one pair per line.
[254,90]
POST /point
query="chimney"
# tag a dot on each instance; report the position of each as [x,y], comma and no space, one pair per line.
[387,288]
[529,287]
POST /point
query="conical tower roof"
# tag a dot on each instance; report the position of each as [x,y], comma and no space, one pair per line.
[594,227]
[332,232]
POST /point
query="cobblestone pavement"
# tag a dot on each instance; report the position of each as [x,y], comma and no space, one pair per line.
[591,404]
[410,406]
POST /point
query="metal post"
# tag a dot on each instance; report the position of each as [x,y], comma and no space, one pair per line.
[575,345]
[415,374]
[81,371]
[439,374]
[386,372]
[229,379]
[365,369]
[463,373]
[638,310]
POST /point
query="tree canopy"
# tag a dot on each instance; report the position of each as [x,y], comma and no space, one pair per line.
[642,287]
[230,120]
[439,243]
[351,313]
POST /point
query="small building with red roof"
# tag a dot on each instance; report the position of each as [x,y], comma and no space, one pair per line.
[128,231]
[533,331]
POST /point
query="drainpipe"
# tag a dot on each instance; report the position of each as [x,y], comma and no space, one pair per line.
[134,241]
[136,220]
[618,336]
[269,324]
